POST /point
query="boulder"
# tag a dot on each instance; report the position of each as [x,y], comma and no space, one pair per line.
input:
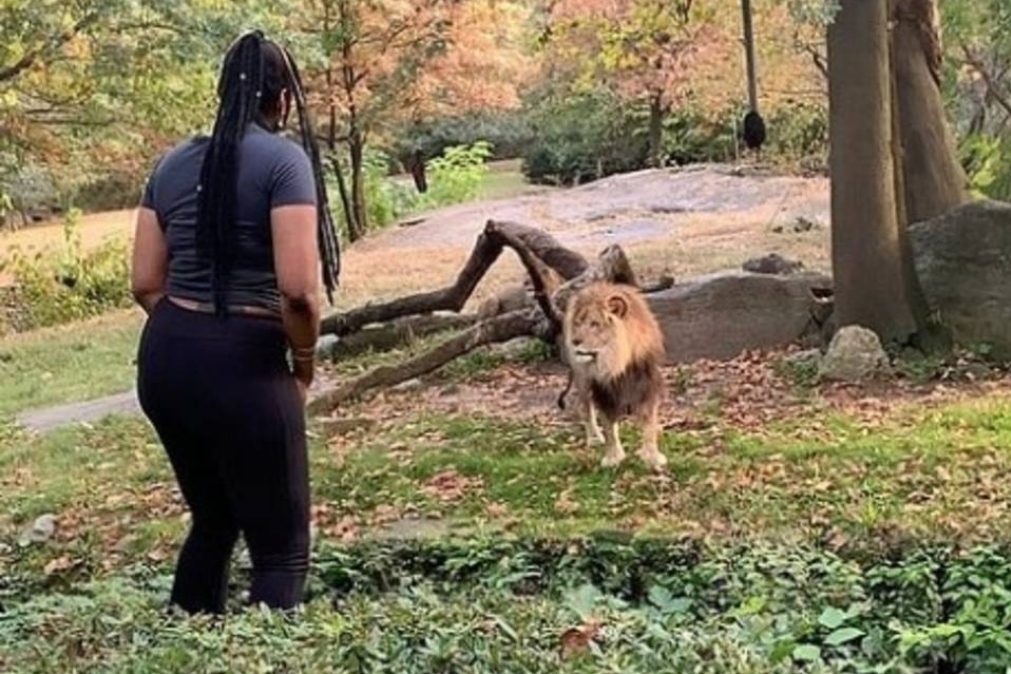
[721,315]
[963,260]
[855,354]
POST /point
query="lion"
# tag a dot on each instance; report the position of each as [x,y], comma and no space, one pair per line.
[614,348]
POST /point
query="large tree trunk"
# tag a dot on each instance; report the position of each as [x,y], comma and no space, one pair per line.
[934,181]
[871,286]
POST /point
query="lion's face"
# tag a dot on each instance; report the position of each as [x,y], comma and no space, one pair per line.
[596,334]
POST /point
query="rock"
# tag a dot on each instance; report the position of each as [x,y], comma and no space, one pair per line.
[854,355]
[721,315]
[963,260]
[773,263]
[40,531]
[510,299]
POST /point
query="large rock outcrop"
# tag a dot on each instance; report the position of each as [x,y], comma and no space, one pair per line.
[963,260]
[721,315]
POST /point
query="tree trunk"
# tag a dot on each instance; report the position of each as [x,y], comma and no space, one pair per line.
[932,175]
[356,145]
[871,287]
[656,115]
[342,189]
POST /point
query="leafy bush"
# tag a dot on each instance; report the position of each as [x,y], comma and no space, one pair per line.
[71,285]
[798,134]
[539,606]
[583,137]
[985,159]
[508,132]
[454,177]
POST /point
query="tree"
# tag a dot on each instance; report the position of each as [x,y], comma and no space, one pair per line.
[892,158]
[387,60]
[644,49]
[97,85]
[932,177]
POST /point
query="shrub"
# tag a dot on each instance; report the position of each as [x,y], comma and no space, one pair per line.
[508,132]
[457,175]
[453,178]
[584,137]
[984,158]
[71,285]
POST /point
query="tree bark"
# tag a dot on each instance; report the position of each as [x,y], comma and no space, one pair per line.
[356,145]
[871,286]
[496,330]
[396,333]
[655,137]
[933,178]
[342,189]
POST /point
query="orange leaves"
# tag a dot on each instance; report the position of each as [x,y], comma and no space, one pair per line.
[577,640]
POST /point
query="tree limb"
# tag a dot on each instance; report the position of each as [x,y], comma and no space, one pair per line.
[31,56]
[497,235]
[496,330]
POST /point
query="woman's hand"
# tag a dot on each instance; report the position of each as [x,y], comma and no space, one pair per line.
[303,369]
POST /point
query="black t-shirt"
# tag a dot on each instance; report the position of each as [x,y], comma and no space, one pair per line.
[273,172]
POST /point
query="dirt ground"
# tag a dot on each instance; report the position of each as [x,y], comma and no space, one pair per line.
[680,221]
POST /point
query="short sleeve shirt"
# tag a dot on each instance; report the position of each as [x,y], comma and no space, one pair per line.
[272,172]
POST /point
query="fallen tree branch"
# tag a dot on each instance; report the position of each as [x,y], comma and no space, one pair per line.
[529,242]
[387,336]
[496,330]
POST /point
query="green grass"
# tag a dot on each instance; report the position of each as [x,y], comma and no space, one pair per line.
[733,562]
[68,364]
[941,475]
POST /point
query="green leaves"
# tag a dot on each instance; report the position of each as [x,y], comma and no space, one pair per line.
[807,653]
[843,635]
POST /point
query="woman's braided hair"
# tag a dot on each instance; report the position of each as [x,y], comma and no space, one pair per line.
[254,74]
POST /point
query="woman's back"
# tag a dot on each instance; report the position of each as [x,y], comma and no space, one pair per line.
[272,172]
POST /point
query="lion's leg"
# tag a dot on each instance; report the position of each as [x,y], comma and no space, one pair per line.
[650,450]
[589,413]
[615,453]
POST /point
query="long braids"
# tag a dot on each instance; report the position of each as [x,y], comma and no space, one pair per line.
[329,245]
[243,88]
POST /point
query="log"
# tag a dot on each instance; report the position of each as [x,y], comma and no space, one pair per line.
[399,332]
[496,330]
[529,243]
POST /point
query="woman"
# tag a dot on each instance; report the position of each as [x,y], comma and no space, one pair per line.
[232,233]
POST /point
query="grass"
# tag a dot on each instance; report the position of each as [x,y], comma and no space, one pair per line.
[938,475]
[846,541]
[68,364]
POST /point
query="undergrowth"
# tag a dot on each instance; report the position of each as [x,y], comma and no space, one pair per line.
[532,606]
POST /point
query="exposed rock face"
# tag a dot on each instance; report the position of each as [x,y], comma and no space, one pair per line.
[720,315]
[854,355]
[963,260]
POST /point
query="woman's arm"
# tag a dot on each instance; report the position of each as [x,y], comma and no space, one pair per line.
[150,260]
[296,263]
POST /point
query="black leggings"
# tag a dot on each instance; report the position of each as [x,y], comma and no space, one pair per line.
[225,405]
